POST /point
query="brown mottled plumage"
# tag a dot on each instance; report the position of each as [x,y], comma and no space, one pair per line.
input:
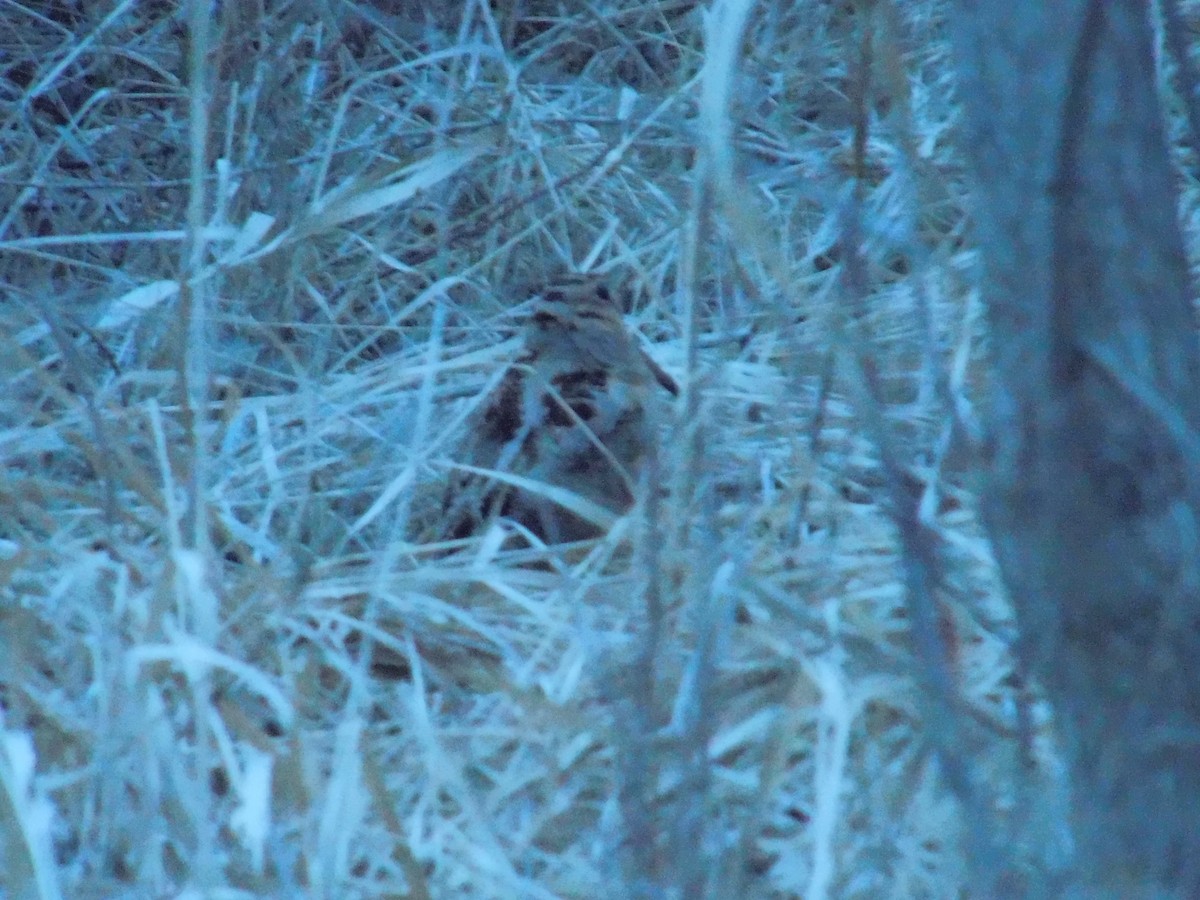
[570,421]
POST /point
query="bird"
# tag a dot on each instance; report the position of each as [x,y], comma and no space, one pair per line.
[558,446]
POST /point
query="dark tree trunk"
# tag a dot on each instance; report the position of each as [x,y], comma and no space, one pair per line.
[1094,469]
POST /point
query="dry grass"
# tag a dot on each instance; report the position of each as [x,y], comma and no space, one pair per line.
[239,348]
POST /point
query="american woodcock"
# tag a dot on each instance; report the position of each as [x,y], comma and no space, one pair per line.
[559,445]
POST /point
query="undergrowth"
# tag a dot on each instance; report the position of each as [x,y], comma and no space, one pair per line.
[257,278]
